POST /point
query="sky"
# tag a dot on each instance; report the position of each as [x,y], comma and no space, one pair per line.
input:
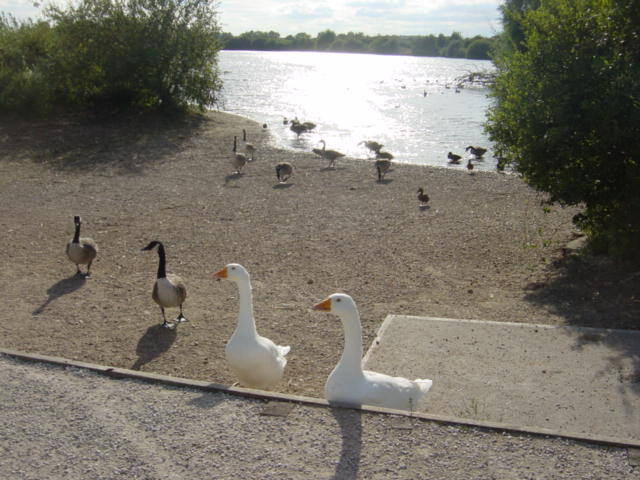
[371,17]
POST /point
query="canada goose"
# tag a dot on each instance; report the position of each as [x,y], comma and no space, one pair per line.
[301,127]
[81,250]
[283,171]
[239,160]
[330,155]
[382,166]
[476,151]
[385,155]
[249,148]
[469,165]
[373,146]
[169,290]
[453,158]
[422,197]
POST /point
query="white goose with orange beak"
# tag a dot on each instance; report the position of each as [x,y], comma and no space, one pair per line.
[348,383]
[255,360]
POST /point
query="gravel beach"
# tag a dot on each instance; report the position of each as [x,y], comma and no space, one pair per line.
[65,423]
[483,248]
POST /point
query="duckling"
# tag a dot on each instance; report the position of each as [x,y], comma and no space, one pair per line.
[238,160]
[382,166]
[477,152]
[169,290]
[249,148]
[453,158]
[81,250]
[423,197]
[283,171]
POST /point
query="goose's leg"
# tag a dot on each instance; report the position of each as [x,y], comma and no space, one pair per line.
[165,324]
[181,318]
[88,275]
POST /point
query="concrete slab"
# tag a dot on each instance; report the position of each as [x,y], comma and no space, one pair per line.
[576,381]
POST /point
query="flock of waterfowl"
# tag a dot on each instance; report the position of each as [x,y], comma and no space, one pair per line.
[256,361]
[383,159]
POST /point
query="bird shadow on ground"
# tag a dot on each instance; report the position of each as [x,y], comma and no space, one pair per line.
[155,341]
[232,177]
[282,186]
[350,422]
[596,292]
[60,288]
[385,181]
[424,207]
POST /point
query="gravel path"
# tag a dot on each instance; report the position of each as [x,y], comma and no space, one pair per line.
[70,424]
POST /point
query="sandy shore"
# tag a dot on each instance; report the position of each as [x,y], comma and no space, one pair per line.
[483,249]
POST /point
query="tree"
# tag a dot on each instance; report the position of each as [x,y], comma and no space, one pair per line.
[567,113]
[479,49]
[325,39]
[136,53]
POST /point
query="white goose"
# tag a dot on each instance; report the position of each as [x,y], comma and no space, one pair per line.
[255,360]
[348,383]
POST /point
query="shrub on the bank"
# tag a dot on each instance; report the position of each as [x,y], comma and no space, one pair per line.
[567,112]
[117,55]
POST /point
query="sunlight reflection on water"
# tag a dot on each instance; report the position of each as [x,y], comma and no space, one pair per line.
[409,104]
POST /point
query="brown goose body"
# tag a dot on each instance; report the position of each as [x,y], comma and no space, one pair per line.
[283,171]
[382,166]
[169,291]
[453,158]
[81,250]
[331,155]
[423,198]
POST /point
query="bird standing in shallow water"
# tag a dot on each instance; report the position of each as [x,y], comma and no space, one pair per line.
[453,158]
[423,198]
[477,152]
[169,290]
[373,146]
[81,250]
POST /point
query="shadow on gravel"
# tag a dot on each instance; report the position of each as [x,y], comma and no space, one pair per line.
[126,143]
[350,422]
[595,292]
[156,341]
[60,288]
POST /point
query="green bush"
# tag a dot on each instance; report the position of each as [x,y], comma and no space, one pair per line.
[25,66]
[567,112]
[113,55]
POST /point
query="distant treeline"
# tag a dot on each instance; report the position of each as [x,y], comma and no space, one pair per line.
[452,46]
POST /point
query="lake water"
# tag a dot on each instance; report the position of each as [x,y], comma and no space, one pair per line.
[409,104]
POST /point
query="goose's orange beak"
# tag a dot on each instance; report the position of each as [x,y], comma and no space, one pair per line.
[323,306]
[221,274]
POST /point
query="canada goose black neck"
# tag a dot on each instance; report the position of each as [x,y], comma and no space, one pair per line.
[235,144]
[76,235]
[162,271]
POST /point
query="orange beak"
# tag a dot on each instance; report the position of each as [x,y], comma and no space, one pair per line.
[221,274]
[323,306]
